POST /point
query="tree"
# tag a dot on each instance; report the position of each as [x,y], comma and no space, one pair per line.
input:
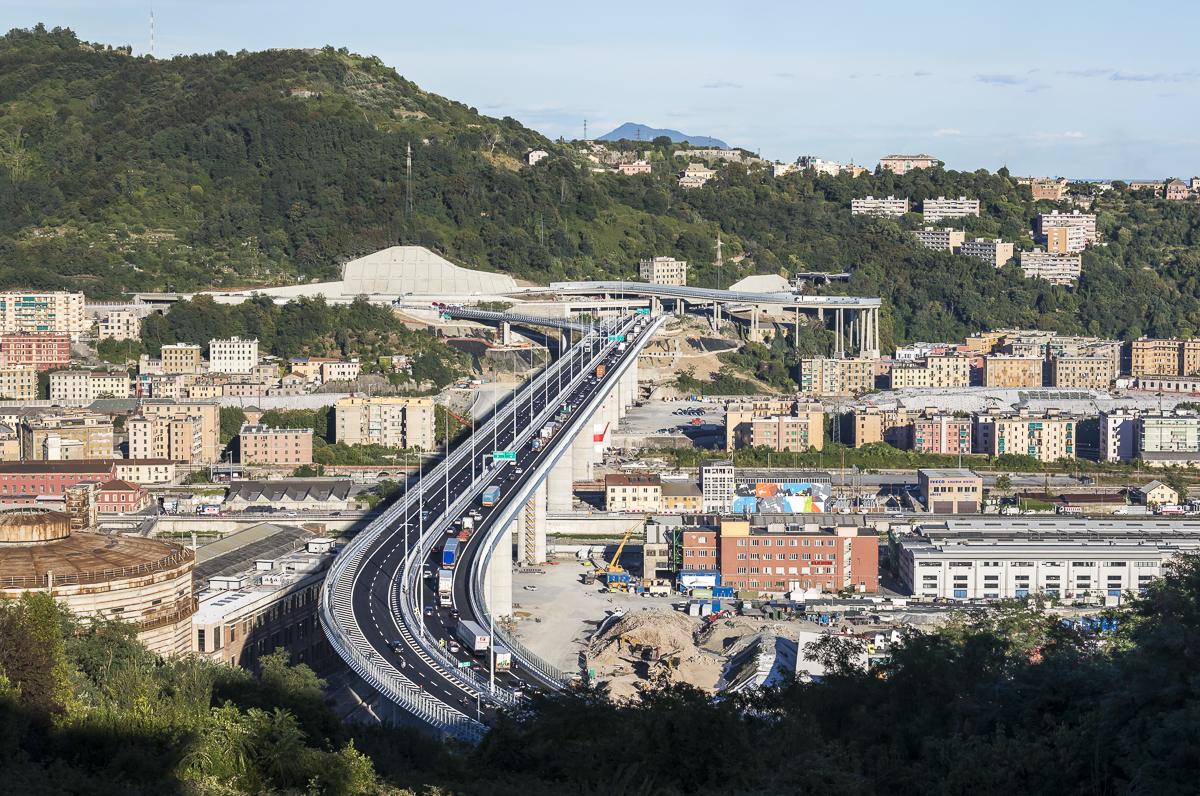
[1004,483]
[232,418]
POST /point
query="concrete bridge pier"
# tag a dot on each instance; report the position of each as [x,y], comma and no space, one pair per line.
[583,454]
[531,545]
[505,333]
[560,497]
[497,581]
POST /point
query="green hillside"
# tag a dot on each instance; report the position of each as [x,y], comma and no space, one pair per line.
[121,173]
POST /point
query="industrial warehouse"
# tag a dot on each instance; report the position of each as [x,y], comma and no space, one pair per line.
[993,558]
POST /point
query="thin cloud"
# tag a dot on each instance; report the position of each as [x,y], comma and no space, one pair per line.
[721,85]
[854,75]
[1073,135]
[1000,80]
[922,74]
[1037,87]
[1138,77]
[948,131]
[1093,72]
[784,74]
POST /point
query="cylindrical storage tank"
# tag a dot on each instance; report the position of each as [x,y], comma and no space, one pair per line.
[33,525]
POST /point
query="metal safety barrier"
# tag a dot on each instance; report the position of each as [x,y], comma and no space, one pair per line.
[336,608]
[498,531]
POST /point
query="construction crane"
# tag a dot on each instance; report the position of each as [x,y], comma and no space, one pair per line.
[615,564]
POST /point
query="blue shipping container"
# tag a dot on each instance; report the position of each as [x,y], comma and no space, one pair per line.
[491,495]
[449,553]
[723,591]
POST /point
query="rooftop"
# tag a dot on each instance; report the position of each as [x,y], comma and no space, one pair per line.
[238,551]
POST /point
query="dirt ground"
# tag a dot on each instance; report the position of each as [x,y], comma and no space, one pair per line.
[638,646]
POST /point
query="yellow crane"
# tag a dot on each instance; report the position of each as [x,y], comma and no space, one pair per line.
[615,564]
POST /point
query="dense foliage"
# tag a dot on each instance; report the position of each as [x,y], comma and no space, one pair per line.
[998,702]
[121,173]
[309,327]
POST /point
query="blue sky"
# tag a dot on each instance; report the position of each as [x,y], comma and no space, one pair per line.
[1073,89]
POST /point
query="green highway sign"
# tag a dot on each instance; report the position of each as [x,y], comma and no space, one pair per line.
[643,311]
[504,456]
[616,338]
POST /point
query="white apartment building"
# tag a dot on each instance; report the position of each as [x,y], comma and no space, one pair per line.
[393,422]
[1047,437]
[871,206]
[69,384]
[936,209]
[119,325]
[19,382]
[830,168]
[56,311]
[1057,269]
[1086,221]
[1117,435]
[780,169]
[663,271]
[1162,436]
[941,240]
[718,484]
[234,355]
[944,370]
[88,386]
[994,252]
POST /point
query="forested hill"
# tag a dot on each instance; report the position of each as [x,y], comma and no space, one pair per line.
[122,173]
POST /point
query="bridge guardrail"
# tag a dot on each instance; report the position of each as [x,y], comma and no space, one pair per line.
[336,610]
[413,562]
[498,531]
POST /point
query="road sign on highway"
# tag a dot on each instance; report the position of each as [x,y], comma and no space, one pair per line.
[504,456]
[464,664]
[616,338]
[642,311]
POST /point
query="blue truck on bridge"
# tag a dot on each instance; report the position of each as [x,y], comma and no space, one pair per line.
[490,496]
[449,553]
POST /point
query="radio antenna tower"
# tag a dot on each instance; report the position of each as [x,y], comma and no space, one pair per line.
[408,203]
[585,130]
[151,31]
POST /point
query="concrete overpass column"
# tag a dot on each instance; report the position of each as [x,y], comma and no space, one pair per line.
[624,395]
[532,546]
[505,334]
[581,454]
[560,497]
[497,581]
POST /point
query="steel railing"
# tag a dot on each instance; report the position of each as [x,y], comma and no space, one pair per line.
[500,525]
[336,608]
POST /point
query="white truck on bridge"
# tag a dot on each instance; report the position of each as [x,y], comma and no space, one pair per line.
[473,637]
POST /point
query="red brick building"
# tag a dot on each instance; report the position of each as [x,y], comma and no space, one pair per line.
[43,350]
[700,550]
[21,482]
[121,497]
[829,559]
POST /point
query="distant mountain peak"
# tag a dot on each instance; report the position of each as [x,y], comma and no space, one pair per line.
[631,131]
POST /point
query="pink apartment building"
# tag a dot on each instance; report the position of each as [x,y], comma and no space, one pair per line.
[640,167]
[942,434]
[339,371]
